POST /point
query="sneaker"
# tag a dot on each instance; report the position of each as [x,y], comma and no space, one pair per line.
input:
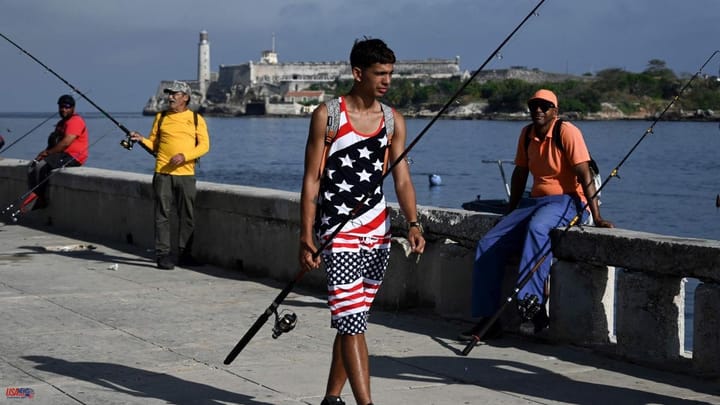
[540,321]
[165,262]
[332,401]
[494,332]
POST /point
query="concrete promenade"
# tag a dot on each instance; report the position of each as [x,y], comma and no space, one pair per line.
[89,322]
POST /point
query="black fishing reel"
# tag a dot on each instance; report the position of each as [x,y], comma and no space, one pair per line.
[284,324]
[127,143]
[528,307]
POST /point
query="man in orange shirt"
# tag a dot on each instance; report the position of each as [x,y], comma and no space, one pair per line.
[562,182]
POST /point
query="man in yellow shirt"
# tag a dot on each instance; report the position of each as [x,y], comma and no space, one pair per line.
[178,138]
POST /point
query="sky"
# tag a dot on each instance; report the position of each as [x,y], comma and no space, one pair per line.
[116,52]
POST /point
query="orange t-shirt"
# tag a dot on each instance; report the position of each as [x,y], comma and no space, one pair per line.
[551,168]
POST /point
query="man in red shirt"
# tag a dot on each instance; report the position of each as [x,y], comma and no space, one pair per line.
[67,146]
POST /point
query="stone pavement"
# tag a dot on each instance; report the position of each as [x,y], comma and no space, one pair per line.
[87,322]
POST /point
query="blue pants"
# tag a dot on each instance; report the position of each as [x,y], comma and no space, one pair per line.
[525,230]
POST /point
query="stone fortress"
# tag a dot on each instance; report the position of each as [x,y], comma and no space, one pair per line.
[271,87]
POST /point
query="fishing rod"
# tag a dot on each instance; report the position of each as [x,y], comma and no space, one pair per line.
[15,207]
[27,133]
[127,143]
[272,309]
[576,219]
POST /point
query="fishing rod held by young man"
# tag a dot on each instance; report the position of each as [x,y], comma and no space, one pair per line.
[487,324]
[283,294]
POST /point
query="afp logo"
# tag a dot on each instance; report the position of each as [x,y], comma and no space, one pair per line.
[15,392]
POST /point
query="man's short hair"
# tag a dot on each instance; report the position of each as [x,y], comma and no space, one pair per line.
[66,99]
[368,51]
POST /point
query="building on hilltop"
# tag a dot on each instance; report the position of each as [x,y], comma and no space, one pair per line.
[199,86]
[269,86]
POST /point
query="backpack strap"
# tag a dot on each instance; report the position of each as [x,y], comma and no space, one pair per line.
[557,137]
[195,120]
[333,124]
[164,113]
[389,117]
[558,144]
[162,117]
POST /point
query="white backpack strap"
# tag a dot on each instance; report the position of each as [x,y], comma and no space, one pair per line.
[390,129]
[333,124]
[333,119]
[389,120]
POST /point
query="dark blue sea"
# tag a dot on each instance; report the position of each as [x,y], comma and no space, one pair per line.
[668,185]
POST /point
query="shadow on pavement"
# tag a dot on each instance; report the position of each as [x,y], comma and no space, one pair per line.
[514,378]
[141,383]
[437,331]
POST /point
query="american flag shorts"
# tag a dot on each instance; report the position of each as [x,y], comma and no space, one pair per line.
[353,280]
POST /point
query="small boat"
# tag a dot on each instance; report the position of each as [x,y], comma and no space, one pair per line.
[495,206]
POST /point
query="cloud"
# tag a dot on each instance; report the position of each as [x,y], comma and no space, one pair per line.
[119,50]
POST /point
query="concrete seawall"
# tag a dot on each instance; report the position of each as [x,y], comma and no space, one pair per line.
[616,291]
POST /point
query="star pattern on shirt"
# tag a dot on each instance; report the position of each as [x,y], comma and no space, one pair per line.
[353,175]
[346,161]
[364,175]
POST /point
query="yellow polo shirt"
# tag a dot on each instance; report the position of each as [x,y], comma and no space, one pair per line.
[178,135]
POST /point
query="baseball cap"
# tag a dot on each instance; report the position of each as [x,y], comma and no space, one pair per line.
[176,86]
[546,95]
[66,99]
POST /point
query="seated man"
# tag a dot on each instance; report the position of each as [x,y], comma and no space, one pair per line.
[562,182]
[67,146]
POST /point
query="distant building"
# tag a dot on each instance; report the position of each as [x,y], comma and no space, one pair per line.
[237,89]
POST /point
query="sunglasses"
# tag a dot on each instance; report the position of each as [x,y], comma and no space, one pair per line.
[66,106]
[544,105]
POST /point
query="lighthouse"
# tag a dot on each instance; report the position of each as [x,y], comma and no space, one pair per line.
[203,64]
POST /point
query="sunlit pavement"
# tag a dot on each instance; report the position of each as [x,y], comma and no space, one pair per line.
[86,322]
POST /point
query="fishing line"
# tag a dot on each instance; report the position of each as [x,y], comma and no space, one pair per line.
[576,219]
[14,207]
[81,94]
[272,309]
[28,133]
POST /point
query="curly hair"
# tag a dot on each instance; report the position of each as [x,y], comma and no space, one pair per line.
[368,51]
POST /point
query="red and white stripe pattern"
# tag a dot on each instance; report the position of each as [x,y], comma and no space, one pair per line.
[353,282]
[352,298]
[353,173]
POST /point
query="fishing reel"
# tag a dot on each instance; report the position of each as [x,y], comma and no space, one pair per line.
[528,307]
[127,143]
[283,324]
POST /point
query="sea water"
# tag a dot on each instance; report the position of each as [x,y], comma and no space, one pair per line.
[667,185]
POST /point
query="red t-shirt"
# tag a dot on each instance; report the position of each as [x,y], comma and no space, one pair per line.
[75,125]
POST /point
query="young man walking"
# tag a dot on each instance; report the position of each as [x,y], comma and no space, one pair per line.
[339,173]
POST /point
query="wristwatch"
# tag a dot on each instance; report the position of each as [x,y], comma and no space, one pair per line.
[416,224]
